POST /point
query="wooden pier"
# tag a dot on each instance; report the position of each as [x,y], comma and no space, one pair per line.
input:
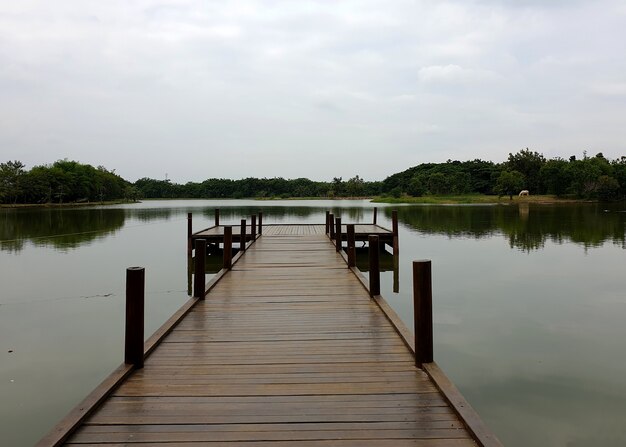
[287,347]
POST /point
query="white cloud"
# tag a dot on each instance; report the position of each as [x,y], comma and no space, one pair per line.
[454,74]
[610,88]
[110,82]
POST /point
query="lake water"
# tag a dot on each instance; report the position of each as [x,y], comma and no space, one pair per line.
[529,304]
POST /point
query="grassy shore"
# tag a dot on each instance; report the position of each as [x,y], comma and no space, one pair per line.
[477,198]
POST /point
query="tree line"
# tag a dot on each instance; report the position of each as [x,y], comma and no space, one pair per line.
[61,182]
[587,178]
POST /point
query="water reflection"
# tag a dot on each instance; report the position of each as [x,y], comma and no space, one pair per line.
[61,229]
[527,227]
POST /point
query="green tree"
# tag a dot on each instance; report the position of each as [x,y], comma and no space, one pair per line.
[554,177]
[438,183]
[509,183]
[416,187]
[355,187]
[608,188]
[528,163]
[11,176]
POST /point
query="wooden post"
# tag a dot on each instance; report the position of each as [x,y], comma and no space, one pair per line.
[242,236]
[199,271]
[394,229]
[351,246]
[217,216]
[135,293]
[375,215]
[374,266]
[260,223]
[423,312]
[189,274]
[396,275]
[189,233]
[228,247]
[331,220]
[253,226]
[327,222]
[338,234]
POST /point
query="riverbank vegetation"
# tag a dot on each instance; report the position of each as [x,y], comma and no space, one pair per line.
[475,181]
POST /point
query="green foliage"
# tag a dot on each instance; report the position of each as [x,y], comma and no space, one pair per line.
[608,188]
[509,183]
[63,181]
[11,179]
[554,177]
[528,163]
[587,178]
[451,177]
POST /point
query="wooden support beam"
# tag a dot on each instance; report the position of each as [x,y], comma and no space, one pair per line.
[135,297]
[351,246]
[331,220]
[374,267]
[375,215]
[253,226]
[260,223]
[242,236]
[423,312]
[199,271]
[338,233]
[228,247]
[217,216]
[189,233]
[327,222]
[394,230]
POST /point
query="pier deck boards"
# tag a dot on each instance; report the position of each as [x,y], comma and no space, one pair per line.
[287,349]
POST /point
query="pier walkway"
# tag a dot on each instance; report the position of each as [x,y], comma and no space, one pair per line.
[287,349]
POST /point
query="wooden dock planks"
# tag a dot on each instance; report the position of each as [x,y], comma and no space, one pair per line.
[288,348]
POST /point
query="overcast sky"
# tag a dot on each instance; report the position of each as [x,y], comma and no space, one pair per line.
[200,89]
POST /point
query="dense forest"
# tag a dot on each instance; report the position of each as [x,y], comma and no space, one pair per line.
[587,178]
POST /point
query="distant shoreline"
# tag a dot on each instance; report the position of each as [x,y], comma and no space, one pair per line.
[480,199]
[63,205]
[424,200]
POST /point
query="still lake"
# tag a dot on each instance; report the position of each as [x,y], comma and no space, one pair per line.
[529,304]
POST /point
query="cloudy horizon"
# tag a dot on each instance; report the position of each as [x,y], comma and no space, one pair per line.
[307,89]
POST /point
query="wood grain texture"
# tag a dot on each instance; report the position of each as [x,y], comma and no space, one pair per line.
[286,349]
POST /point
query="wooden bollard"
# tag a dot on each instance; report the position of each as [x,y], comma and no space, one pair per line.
[217,216]
[338,233]
[394,230]
[189,232]
[423,312]
[242,236]
[199,271]
[331,220]
[327,222]
[374,266]
[375,215]
[253,226]
[260,223]
[135,293]
[228,247]
[351,246]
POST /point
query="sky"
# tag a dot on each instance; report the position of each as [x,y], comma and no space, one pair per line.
[191,90]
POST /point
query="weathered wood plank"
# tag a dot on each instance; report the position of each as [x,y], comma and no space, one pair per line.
[287,347]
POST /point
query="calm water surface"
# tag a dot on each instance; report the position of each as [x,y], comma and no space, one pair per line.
[529,305]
